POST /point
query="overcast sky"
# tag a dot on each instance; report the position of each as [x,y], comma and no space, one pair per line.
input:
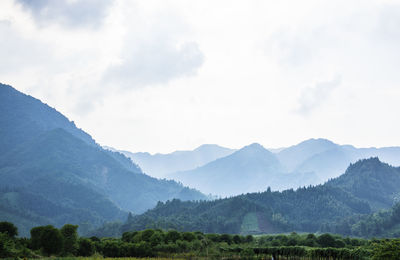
[160,76]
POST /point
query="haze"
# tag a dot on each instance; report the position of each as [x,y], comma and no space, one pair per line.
[160,76]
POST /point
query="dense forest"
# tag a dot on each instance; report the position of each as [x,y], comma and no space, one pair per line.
[50,241]
[341,206]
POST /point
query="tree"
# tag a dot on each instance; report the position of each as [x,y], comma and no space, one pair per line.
[86,247]
[36,237]
[172,236]
[326,240]
[47,238]
[70,236]
[6,246]
[237,239]
[188,236]
[249,239]
[9,229]
[387,249]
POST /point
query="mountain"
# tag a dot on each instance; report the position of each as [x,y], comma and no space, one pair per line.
[252,168]
[308,209]
[53,172]
[293,156]
[328,160]
[371,180]
[24,118]
[160,165]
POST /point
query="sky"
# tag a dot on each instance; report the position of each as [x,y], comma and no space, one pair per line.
[159,76]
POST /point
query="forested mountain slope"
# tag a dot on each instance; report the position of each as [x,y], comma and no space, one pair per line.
[306,209]
[371,180]
[53,172]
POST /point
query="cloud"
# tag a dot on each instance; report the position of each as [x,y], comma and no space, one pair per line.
[295,48]
[67,12]
[156,62]
[25,50]
[158,47]
[387,29]
[313,97]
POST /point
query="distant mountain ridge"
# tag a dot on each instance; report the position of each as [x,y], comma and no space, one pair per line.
[250,169]
[294,155]
[310,162]
[54,173]
[160,165]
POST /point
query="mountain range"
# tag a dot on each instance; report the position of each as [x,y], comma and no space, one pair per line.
[366,187]
[52,172]
[252,168]
[160,165]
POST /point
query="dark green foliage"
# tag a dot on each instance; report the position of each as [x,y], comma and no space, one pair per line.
[9,229]
[326,240]
[7,247]
[70,239]
[172,236]
[384,223]
[48,239]
[36,237]
[387,249]
[85,247]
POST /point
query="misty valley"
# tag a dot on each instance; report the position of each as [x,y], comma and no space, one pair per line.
[62,194]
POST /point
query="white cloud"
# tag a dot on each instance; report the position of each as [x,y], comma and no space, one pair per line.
[155,62]
[163,75]
[66,12]
[313,97]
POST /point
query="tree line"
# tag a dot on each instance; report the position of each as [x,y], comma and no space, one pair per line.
[65,241]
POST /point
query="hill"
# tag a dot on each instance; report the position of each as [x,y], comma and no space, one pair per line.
[371,180]
[53,172]
[308,209]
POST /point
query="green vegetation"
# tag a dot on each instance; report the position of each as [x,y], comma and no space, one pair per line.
[384,223]
[52,172]
[332,207]
[65,242]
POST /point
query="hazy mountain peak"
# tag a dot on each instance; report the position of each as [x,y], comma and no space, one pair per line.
[294,155]
[160,165]
[205,147]
[256,147]
[316,141]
